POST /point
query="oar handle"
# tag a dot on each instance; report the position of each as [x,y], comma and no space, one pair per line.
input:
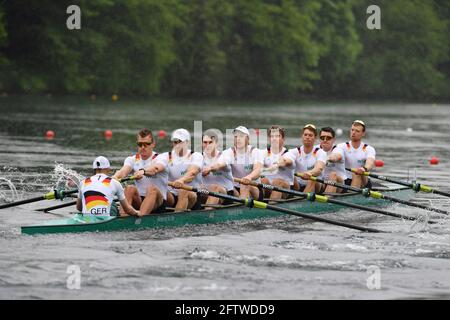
[126,179]
[247,182]
[183,186]
[365,173]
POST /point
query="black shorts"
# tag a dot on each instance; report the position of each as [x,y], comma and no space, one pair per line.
[161,208]
[228,201]
[348,182]
[197,204]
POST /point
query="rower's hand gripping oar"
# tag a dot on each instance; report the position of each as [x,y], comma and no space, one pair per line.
[262,205]
[311,196]
[374,194]
[72,203]
[414,185]
[55,194]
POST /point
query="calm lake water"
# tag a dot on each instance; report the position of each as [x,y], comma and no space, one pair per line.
[282,258]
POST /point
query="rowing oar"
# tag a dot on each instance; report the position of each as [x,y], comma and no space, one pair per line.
[311,196]
[72,203]
[55,194]
[415,186]
[262,205]
[375,194]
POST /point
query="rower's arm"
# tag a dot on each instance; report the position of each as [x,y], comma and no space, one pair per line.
[190,174]
[256,173]
[128,208]
[123,172]
[79,205]
[334,157]
[218,166]
[370,163]
[317,170]
[285,162]
[154,169]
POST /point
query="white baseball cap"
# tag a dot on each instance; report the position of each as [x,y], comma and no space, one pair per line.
[181,134]
[360,122]
[101,163]
[242,129]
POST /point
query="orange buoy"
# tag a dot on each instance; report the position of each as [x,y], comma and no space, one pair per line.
[108,134]
[379,163]
[162,134]
[49,135]
[434,161]
[115,97]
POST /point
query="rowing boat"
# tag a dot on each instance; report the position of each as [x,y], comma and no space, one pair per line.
[80,223]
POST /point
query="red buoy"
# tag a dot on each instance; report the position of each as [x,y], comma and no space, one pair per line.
[379,163]
[108,134]
[49,135]
[434,161]
[257,131]
[162,134]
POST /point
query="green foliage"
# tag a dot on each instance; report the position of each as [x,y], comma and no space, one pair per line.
[339,44]
[271,50]
[227,48]
[402,59]
[199,67]
[3,39]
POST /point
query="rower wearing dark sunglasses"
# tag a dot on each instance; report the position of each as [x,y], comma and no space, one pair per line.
[334,171]
[155,187]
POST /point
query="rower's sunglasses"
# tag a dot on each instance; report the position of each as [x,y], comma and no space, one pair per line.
[143,144]
[325,138]
[176,141]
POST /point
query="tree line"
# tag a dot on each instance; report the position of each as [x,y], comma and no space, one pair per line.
[227,48]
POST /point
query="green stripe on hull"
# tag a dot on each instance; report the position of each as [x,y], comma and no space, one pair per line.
[79,223]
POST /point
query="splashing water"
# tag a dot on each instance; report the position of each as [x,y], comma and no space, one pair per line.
[66,177]
[12,191]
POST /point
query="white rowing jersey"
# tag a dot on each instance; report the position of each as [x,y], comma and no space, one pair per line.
[242,163]
[97,194]
[159,180]
[356,158]
[222,177]
[285,173]
[306,161]
[338,167]
[178,167]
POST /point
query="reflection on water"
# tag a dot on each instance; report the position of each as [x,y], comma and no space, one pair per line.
[276,258]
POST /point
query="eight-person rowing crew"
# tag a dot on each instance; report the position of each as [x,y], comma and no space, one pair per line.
[215,170]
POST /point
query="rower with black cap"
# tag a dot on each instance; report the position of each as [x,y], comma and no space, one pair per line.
[96,194]
[358,155]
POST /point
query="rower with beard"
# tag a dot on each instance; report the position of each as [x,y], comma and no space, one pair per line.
[150,188]
[309,161]
[278,173]
[357,155]
[215,179]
